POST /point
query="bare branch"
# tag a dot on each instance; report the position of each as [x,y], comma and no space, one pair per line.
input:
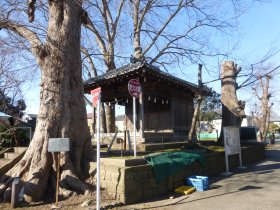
[29,35]
[31,10]
[162,51]
[256,93]
[244,84]
[180,6]
[143,13]
[105,14]
[98,37]
[114,25]
[136,30]
[89,60]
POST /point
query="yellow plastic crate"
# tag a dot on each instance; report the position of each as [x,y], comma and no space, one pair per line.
[185,190]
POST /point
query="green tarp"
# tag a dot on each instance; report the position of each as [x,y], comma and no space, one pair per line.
[169,163]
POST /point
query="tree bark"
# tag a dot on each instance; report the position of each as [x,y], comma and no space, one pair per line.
[232,108]
[106,43]
[62,108]
[103,123]
[136,31]
[110,118]
[197,108]
[265,107]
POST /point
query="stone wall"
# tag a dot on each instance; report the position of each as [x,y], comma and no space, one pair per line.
[132,180]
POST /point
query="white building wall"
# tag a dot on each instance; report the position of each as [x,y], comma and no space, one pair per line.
[218,123]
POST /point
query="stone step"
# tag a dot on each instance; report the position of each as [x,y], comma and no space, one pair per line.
[20,149]
[10,155]
[4,161]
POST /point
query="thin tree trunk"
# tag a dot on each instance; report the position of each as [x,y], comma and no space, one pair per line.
[265,108]
[103,119]
[136,33]
[268,123]
[197,108]
[110,118]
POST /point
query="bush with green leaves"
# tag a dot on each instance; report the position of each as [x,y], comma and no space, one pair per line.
[11,136]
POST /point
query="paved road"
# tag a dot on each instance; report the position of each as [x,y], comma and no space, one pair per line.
[255,188]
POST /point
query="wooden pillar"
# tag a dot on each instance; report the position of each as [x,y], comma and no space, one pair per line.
[125,130]
[172,116]
[93,120]
[142,115]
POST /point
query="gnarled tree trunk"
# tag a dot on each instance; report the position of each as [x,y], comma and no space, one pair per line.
[232,108]
[62,107]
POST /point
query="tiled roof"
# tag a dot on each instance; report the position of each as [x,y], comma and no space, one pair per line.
[134,67]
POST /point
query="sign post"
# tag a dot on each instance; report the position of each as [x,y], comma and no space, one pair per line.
[134,88]
[96,98]
[58,145]
[232,145]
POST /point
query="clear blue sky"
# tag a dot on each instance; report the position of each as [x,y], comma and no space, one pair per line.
[259,31]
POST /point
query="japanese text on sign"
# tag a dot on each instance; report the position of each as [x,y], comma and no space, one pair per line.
[134,88]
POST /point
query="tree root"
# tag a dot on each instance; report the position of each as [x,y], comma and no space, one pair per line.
[38,175]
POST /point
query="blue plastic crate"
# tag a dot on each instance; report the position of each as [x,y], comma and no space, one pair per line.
[199,182]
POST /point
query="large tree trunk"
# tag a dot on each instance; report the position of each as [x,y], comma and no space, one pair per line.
[62,108]
[232,108]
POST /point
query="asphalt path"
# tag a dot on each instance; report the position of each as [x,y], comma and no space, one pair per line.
[257,187]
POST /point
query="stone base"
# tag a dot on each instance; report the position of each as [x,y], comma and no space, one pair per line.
[131,180]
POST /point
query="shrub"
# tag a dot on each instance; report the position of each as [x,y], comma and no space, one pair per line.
[11,136]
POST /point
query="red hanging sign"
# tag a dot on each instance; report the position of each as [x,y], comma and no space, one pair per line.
[134,88]
[95,96]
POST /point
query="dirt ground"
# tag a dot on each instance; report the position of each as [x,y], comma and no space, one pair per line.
[73,202]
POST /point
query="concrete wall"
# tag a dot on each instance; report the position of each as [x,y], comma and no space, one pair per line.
[132,180]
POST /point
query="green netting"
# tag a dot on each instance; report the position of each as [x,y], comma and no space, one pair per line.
[169,163]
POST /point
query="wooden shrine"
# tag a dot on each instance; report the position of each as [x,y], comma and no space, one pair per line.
[165,107]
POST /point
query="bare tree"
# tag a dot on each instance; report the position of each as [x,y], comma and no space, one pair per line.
[233,109]
[199,99]
[265,108]
[62,107]
[12,75]
[268,125]
[155,41]
[163,32]
[257,77]
[104,28]
[166,33]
